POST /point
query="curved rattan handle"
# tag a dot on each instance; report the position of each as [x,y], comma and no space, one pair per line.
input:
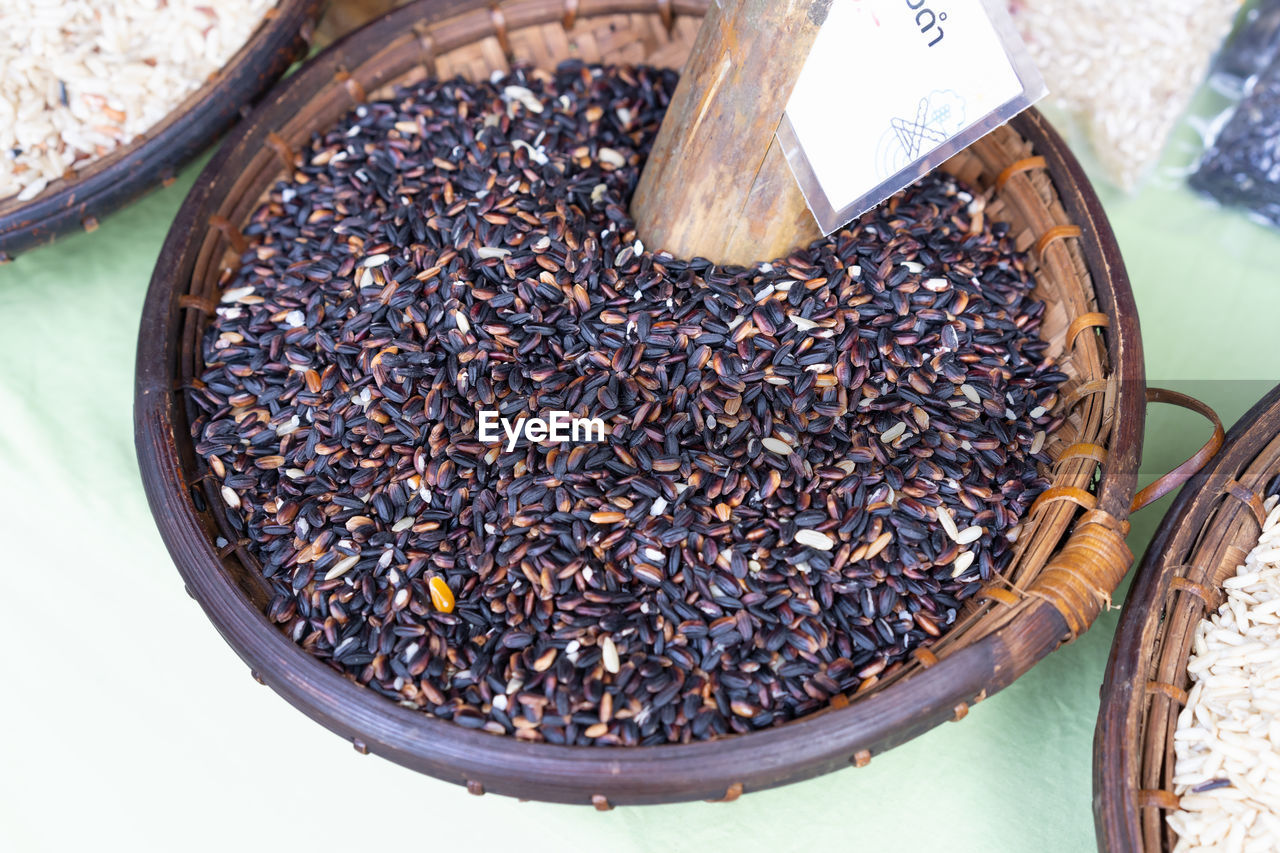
[1188,469]
[1079,579]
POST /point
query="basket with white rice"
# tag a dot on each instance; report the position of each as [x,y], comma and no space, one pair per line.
[1187,752]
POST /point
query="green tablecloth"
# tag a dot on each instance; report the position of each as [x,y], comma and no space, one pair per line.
[130,724]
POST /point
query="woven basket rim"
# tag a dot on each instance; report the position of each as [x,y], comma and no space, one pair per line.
[1123,728]
[808,746]
[153,157]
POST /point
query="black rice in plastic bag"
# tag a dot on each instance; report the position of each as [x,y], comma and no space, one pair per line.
[1242,165]
[1255,46]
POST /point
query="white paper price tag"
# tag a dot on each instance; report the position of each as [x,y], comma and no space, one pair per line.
[891,89]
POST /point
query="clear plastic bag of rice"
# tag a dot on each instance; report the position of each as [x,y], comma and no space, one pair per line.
[1124,70]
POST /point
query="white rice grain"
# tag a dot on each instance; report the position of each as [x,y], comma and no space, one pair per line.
[774,445]
[815,539]
[609,655]
[948,522]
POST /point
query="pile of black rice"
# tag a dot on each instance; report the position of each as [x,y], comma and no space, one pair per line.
[810,464]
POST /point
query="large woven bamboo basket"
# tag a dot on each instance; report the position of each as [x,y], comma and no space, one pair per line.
[1207,533]
[79,200]
[1070,557]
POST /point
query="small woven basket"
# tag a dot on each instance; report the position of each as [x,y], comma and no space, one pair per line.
[1207,533]
[1068,560]
[84,196]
